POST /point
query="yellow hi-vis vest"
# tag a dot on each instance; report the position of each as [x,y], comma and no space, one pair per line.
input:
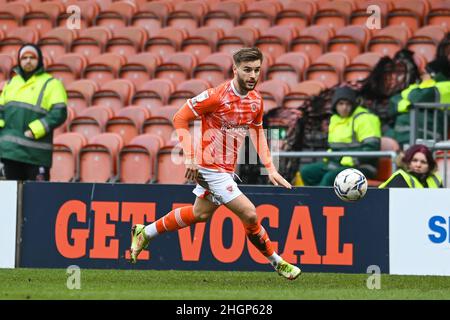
[433,180]
[347,133]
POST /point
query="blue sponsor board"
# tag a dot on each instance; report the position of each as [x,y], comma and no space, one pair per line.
[89,225]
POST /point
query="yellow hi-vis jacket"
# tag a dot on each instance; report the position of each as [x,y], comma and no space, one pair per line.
[39,105]
[433,180]
[361,131]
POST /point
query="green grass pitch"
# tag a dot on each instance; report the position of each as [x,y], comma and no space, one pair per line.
[210,285]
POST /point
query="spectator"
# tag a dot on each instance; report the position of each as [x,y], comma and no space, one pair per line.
[434,87]
[419,170]
[32,105]
[352,128]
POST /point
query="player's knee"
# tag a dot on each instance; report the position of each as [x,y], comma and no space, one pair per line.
[202,216]
[250,216]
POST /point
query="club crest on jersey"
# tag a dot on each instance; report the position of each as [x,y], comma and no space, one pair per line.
[253,106]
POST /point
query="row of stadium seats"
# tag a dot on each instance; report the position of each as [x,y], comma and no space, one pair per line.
[131,64]
[293,67]
[202,42]
[153,94]
[119,93]
[106,158]
[191,14]
[127,122]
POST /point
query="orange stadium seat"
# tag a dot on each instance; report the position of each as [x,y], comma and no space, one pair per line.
[137,159]
[91,121]
[7,62]
[128,122]
[260,14]
[289,68]
[71,114]
[276,89]
[153,94]
[103,4]
[408,13]
[79,94]
[425,41]
[216,68]
[439,14]
[350,39]
[160,8]
[187,15]
[224,14]
[47,61]
[126,41]
[266,64]
[118,14]
[202,42]
[88,10]
[98,159]
[139,67]
[236,38]
[114,94]
[11,15]
[170,166]
[168,40]
[360,15]
[328,68]
[160,122]
[176,67]
[384,164]
[150,17]
[389,40]
[361,66]
[312,41]
[15,38]
[301,92]
[91,42]
[57,41]
[420,61]
[66,148]
[275,40]
[104,68]
[68,67]
[334,14]
[194,86]
[297,13]
[42,15]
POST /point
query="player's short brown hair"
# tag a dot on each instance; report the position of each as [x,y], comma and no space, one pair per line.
[246,55]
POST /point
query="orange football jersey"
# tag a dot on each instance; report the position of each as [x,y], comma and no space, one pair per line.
[226,117]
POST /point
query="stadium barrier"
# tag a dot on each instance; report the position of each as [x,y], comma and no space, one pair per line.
[437,109]
[431,137]
[337,154]
[8,224]
[89,225]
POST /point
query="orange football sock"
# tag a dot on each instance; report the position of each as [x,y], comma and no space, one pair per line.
[259,237]
[176,219]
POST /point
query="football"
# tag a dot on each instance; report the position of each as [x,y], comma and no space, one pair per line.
[350,185]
